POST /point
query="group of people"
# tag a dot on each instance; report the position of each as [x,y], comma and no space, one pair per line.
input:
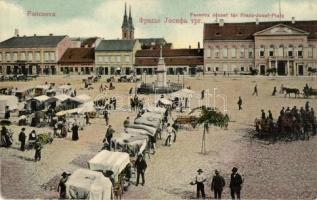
[218,183]
[33,141]
[107,103]
[136,104]
[301,120]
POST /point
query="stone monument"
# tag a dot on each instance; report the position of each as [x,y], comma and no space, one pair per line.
[161,71]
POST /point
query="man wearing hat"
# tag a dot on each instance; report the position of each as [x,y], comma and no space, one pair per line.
[109,135]
[141,166]
[217,184]
[62,185]
[22,138]
[200,179]
[235,183]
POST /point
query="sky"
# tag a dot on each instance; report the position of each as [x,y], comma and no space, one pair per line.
[103,18]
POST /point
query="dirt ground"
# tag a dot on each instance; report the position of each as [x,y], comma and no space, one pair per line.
[285,170]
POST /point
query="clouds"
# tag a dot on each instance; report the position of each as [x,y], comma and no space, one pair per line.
[105,17]
[11,16]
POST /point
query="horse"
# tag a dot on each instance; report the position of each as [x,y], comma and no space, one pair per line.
[291,90]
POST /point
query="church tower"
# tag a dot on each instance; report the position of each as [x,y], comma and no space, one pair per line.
[127,25]
[131,27]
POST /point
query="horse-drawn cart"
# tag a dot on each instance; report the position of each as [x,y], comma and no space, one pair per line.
[309,92]
[183,120]
[115,163]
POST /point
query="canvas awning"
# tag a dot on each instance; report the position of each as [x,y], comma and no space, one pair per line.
[165,101]
[67,112]
[87,184]
[41,98]
[108,160]
[61,97]
[149,130]
[87,107]
[83,98]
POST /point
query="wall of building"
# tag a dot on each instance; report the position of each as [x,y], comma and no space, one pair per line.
[236,57]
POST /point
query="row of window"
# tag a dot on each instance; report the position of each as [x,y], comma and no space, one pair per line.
[228,68]
[215,53]
[282,52]
[29,56]
[112,59]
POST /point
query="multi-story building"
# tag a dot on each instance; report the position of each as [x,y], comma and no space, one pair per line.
[287,47]
[32,54]
[116,56]
[177,61]
[77,61]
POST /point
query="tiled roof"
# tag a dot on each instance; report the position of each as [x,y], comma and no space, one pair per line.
[172,57]
[78,56]
[89,42]
[32,41]
[169,52]
[245,31]
[115,45]
[170,61]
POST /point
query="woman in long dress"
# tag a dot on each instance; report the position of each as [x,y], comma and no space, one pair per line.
[75,132]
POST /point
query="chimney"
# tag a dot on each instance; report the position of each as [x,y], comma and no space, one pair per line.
[16,32]
[221,22]
[190,47]
[34,34]
[50,34]
[257,22]
[198,45]
[293,20]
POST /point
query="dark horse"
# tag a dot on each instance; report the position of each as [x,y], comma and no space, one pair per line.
[289,91]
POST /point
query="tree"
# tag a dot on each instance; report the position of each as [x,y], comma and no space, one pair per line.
[210,116]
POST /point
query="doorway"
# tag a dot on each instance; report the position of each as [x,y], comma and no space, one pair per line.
[300,70]
[281,69]
[262,69]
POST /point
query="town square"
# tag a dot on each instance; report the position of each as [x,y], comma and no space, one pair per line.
[135,116]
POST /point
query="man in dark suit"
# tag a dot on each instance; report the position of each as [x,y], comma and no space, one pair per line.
[141,166]
[22,138]
[235,183]
[217,184]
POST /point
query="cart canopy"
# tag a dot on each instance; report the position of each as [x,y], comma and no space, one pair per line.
[87,184]
[108,160]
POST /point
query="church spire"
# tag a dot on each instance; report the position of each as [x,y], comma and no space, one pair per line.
[125,18]
[130,18]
